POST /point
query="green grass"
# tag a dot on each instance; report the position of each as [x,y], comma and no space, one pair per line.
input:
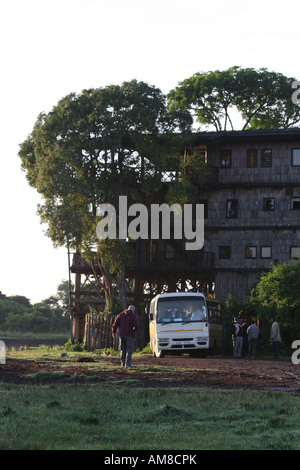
[10,334]
[87,412]
[116,417]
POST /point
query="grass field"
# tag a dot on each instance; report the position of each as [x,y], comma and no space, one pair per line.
[118,416]
[41,417]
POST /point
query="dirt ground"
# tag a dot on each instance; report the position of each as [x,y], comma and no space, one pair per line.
[212,371]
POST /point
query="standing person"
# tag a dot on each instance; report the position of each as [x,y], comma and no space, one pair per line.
[275,337]
[127,322]
[237,339]
[253,334]
[245,350]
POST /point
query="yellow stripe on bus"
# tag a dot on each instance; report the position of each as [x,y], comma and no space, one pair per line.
[176,331]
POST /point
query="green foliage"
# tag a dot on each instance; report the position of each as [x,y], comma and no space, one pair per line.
[262,98]
[192,173]
[107,352]
[75,346]
[277,294]
[231,310]
[95,146]
[20,299]
[92,148]
[17,314]
[111,308]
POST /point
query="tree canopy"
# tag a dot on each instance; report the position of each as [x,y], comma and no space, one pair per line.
[18,314]
[92,148]
[261,98]
[120,140]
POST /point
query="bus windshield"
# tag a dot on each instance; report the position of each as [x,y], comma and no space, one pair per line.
[181,309]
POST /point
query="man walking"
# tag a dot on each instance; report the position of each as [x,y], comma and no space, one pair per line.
[253,334]
[127,322]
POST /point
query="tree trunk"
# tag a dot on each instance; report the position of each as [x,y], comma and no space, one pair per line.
[106,284]
[122,289]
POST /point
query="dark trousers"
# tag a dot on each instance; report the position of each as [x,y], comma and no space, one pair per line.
[126,345]
[252,347]
[275,349]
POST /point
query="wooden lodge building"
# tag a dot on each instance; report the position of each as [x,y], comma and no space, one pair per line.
[252,220]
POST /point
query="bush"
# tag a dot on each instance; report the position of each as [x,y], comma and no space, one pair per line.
[231,310]
[75,346]
[277,294]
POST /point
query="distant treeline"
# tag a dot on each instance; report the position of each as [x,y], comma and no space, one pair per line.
[51,315]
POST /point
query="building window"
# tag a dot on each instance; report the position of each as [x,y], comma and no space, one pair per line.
[295,252]
[251,158]
[295,203]
[265,252]
[269,204]
[251,251]
[225,252]
[232,209]
[266,158]
[295,157]
[225,158]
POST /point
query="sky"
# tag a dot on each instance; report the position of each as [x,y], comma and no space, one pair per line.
[50,48]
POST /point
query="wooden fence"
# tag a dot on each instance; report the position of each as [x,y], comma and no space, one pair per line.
[97,332]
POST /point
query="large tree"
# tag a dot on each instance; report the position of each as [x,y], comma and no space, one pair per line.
[261,99]
[90,149]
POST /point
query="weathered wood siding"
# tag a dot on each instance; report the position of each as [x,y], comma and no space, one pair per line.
[97,332]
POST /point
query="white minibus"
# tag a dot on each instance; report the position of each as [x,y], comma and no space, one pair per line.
[179,322]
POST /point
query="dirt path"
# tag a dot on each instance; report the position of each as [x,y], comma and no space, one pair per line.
[213,371]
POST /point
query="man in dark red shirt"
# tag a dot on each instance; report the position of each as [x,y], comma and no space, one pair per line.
[127,322]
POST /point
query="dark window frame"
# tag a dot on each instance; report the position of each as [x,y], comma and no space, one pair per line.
[297,247]
[249,156]
[224,163]
[232,213]
[266,206]
[264,156]
[248,254]
[225,252]
[295,204]
[292,157]
[261,252]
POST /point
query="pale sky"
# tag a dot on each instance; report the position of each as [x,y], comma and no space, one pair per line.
[50,48]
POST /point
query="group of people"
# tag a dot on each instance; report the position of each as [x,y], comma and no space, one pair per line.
[245,338]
